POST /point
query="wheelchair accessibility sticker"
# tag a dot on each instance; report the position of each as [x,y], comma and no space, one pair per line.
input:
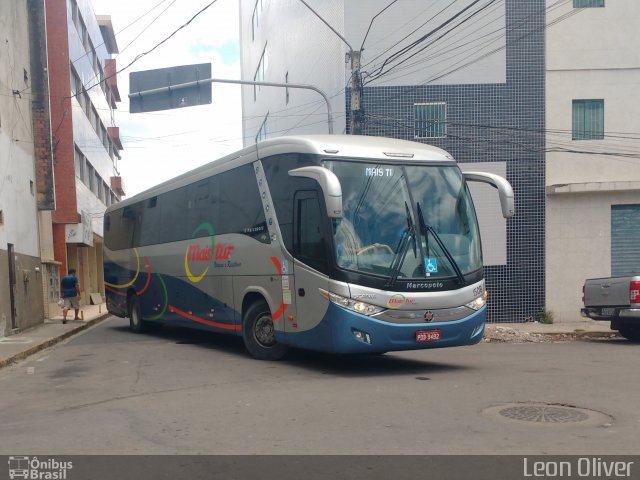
[431,265]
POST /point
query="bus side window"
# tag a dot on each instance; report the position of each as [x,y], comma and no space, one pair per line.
[309,244]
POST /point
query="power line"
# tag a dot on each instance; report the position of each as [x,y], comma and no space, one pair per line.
[371,23]
[149,25]
[125,28]
[477,47]
[463,35]
[410,33]
[412,45]
[516,25]
[139,56]
[457,67]
[510,140]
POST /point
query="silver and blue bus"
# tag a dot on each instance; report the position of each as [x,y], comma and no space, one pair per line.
[334,243]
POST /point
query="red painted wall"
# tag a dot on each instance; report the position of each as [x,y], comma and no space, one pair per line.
[61,111]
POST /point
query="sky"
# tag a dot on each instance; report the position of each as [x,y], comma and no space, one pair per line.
[161,145]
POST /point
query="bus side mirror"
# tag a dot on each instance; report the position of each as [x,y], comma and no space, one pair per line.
[330,187]
[504,189]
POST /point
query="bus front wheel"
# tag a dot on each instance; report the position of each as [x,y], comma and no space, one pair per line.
[258,333]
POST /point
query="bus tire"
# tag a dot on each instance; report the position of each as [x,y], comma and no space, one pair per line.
[136,324]
[258,333]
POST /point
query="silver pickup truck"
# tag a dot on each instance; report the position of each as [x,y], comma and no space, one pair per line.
[616,300]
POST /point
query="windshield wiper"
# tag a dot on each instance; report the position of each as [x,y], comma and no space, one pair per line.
[409,234]
[425,229]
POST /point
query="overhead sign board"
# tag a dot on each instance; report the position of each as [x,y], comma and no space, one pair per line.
[169,88]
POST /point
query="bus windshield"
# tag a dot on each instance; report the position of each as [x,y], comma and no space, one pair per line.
[405,221]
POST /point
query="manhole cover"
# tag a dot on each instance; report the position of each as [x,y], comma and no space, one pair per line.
[543,413]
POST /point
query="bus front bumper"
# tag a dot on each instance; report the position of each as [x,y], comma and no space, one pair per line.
[345,331]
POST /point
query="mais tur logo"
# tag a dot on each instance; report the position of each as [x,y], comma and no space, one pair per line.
[398,300]
[198,254]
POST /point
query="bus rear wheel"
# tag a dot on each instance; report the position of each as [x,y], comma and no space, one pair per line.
[258,333]
[136,324]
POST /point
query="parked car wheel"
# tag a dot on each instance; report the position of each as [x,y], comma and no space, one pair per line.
[630,332]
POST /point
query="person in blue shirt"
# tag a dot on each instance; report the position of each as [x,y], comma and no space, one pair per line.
[70,294]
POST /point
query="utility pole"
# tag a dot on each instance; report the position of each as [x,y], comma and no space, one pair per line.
[356,94]
[357,113]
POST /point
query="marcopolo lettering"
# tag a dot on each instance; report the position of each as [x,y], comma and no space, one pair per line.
[425,285]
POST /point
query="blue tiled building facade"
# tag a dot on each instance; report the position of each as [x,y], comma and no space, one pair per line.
[501,122]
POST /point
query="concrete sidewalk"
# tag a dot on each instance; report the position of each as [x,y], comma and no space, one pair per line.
[558,331]
[21,345]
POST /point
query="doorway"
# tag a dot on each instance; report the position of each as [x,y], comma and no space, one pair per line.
[12,285]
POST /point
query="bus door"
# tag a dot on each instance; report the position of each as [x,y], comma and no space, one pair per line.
[311,253]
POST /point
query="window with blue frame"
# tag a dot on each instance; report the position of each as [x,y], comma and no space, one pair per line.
[430,120]
[588,120]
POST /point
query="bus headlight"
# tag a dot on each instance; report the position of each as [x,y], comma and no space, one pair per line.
[478,303]
[355,305]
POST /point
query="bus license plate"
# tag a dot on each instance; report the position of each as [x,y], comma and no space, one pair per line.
[428,335]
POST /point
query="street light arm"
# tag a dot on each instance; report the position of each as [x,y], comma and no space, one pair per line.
[195,83]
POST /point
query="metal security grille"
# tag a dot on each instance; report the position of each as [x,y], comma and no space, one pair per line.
[625,240]
[430,120]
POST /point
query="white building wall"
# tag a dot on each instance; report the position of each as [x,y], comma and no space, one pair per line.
[17,170]
[594,54]
[20,301]
[282,24]
[299,43]
[578,246]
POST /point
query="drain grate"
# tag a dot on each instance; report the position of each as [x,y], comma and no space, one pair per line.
[544,414]
[549,414]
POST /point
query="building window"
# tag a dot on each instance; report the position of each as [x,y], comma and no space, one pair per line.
[90,178]
[75,16]
[286,89]
[588,119]
[86,104]
[79,161]
[588,3]
[76,85]
[99,192]
[430,120]
[260,72]
[262,133]
[255,19]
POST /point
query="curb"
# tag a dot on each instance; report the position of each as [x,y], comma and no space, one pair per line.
[52,341]
[542,337]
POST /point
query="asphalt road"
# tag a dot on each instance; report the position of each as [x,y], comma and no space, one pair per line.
[174,391]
